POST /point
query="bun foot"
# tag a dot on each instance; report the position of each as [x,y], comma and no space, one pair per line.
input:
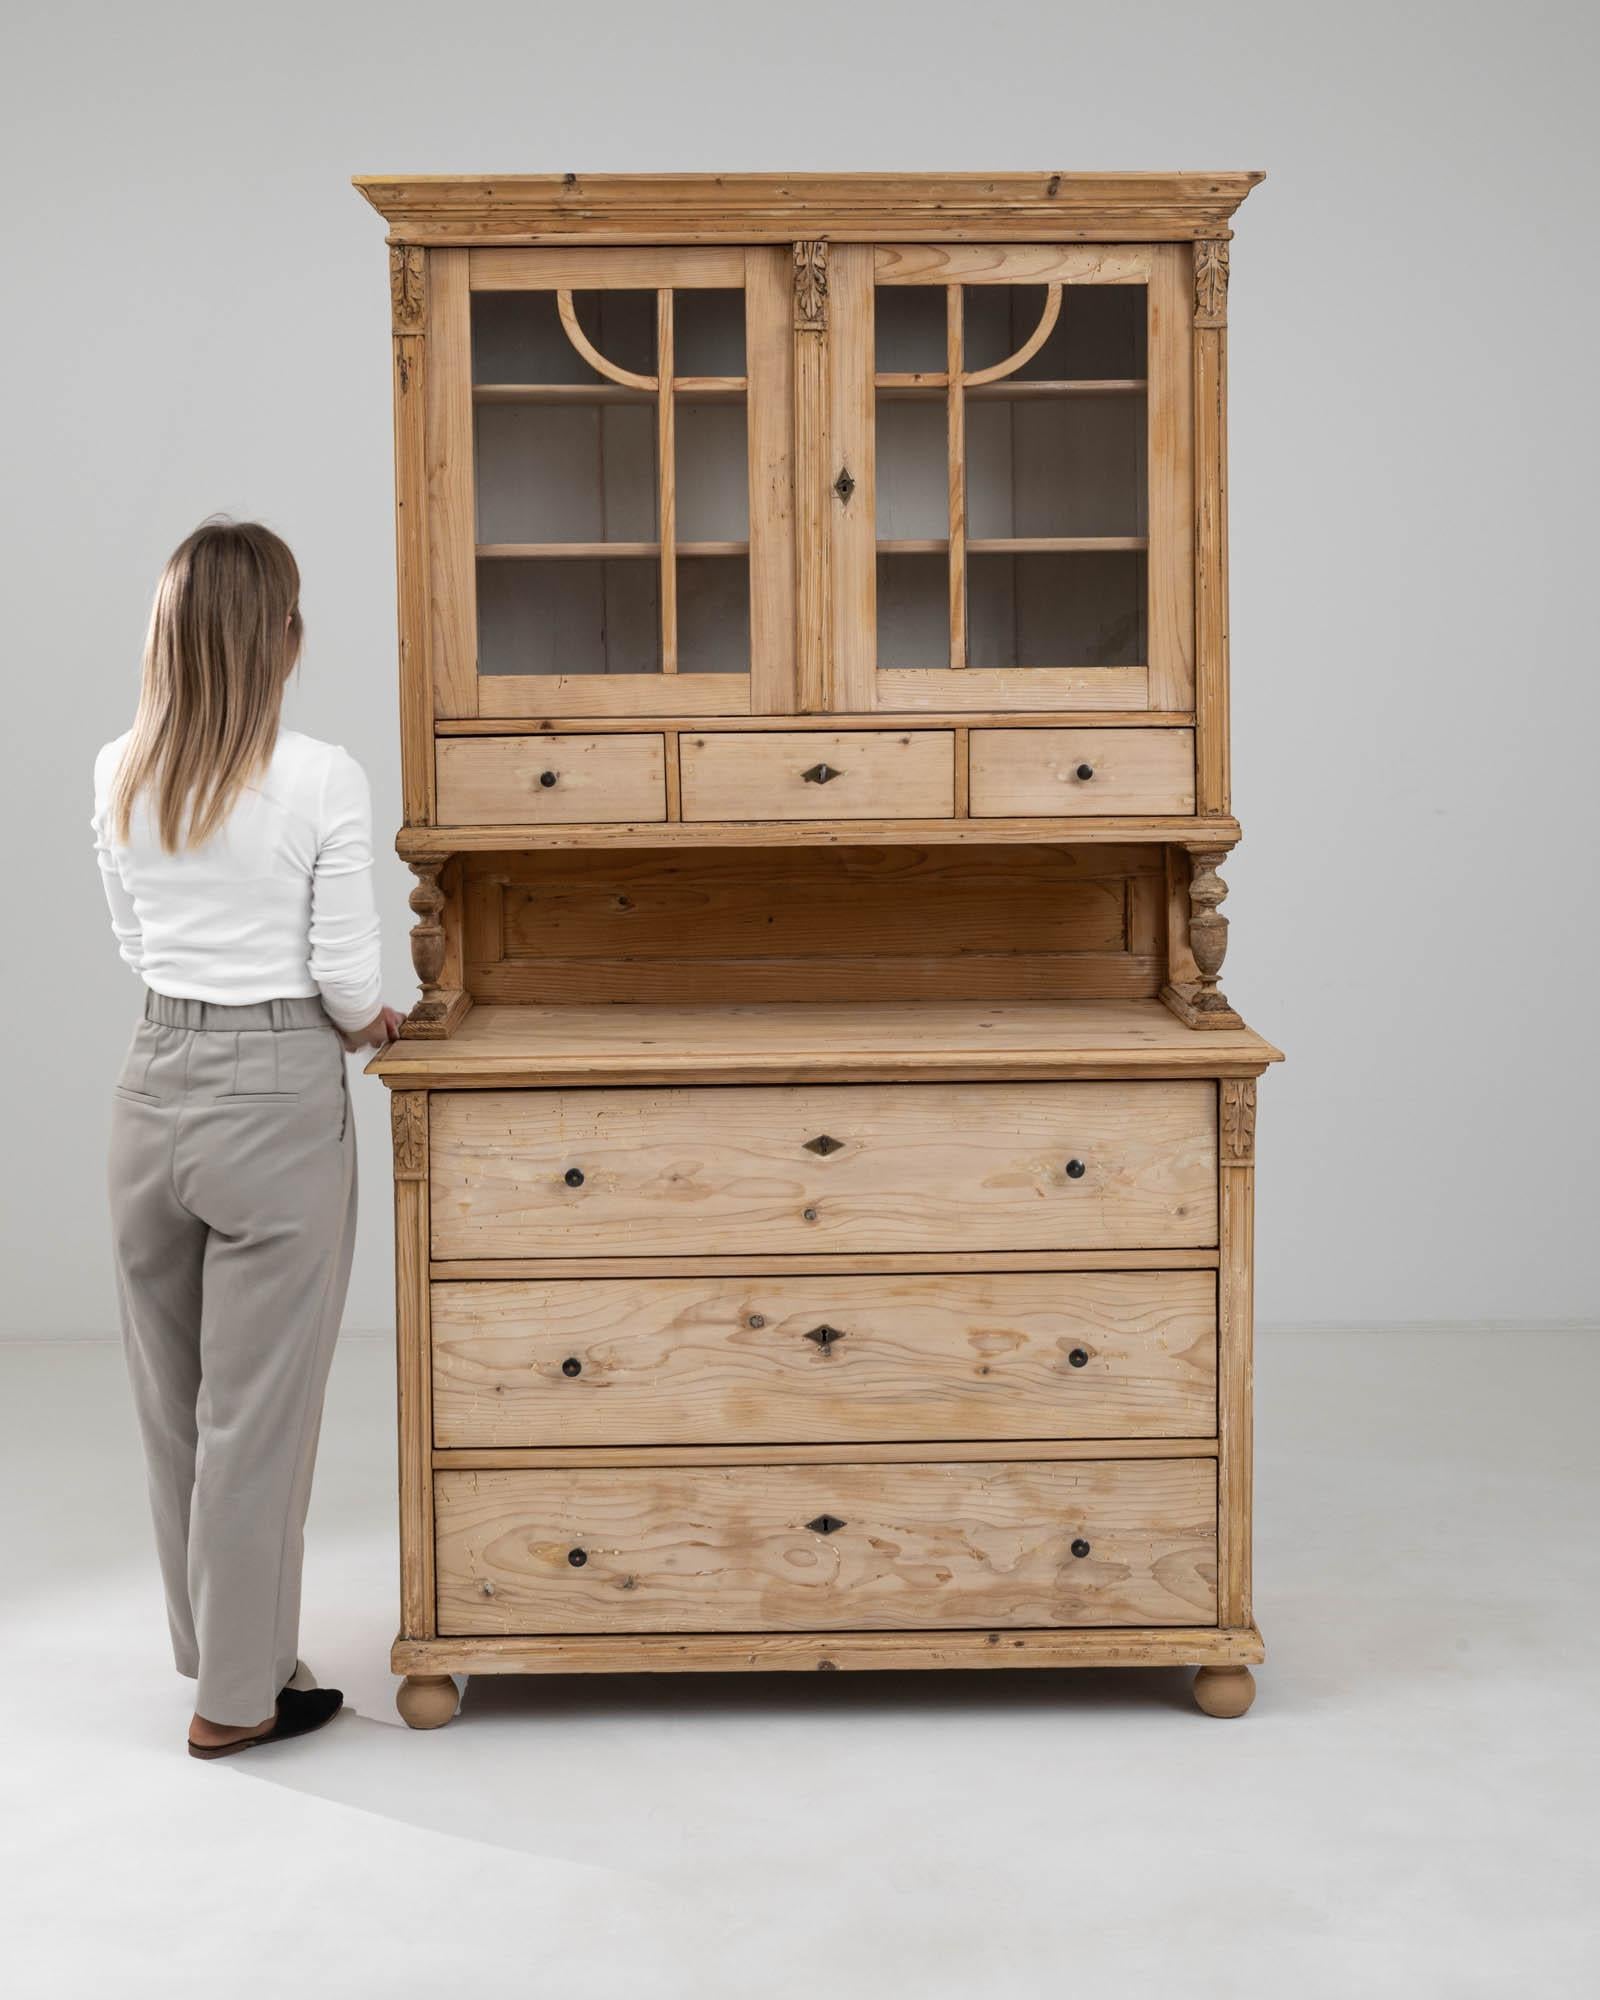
[426,1701]
[1224,1690]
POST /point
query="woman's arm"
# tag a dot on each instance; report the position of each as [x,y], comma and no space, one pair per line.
[124,917]
[343,948]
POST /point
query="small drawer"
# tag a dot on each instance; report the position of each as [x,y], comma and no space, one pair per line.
[1080,773]
[815,1548]
[550,780]
[784,1171]
[810,774]
[846,1360]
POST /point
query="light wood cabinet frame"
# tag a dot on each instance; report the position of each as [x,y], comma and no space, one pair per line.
[843,1043]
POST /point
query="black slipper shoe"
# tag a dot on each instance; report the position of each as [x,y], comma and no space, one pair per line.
[300,1711]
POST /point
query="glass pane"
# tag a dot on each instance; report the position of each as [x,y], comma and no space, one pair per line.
[910,329]
[548,616]
[566,472]
[708,333]
[913,611]
[1056,609]
[518,336]
[1098,336]
[713,472]
[912,457]
[1059,465]
[713,614]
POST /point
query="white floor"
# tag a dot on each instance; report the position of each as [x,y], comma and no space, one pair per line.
[1408,1810]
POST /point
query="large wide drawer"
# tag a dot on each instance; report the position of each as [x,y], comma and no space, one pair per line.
[857,1547]
[550,780]
[1058,1354]
[863,1167]
[814,774]
[1073,773]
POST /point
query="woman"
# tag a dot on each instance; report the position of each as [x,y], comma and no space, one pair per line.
[237,860]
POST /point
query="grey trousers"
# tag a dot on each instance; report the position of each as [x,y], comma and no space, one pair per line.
[233,1208]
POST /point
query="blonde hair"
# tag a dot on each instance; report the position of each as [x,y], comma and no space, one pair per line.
[225,633]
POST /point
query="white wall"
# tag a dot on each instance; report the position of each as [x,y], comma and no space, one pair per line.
[197,318]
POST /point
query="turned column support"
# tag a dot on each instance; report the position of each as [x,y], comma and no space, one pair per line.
[1201,1002]
[443,1003]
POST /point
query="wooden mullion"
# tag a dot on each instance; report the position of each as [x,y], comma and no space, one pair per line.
[1170,480]
[453,593]
[408,286]
[769,428]
[409,1124]
[1211,524]
[956,448]
[666,483]
[1235,1345]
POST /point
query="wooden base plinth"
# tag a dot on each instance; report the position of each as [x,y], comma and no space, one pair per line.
[426,1701]
[436,1018]
[1196,1008]
[1225,1691]
[1205,1647]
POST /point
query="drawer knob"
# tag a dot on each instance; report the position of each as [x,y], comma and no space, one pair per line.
[1075,1170]
[572,1366]
[1080,1548]
[548,778]
[824,1144]
[577,1558]
[826,1524]
[1079,1357]
[574,1176]
[808,1214]
[825,1336]
[1086,772]
[821,774]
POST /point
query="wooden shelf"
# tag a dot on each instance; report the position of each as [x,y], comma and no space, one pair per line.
[1021,545]
[687,389]
[933,388]
[600,551]
[792,1041]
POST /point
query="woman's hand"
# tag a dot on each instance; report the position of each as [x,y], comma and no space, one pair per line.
[383,1027]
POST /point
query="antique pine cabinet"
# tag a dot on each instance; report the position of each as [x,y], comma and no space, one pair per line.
[823,1152]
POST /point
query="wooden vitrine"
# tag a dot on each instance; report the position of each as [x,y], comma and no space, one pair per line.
[824,1153]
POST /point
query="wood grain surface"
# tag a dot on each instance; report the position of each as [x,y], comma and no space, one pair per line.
[654,1361]
[876,774]
[936,1544]
[485,779]
[952,1167]
[1143,771]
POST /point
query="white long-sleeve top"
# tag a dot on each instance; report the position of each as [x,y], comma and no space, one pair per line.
[277,905]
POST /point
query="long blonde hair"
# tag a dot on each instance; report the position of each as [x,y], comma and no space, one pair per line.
[225,633]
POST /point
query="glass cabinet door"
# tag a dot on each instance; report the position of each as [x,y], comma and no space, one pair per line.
[628,414]
[1027,476]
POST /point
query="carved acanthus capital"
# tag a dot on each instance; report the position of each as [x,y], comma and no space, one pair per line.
[408,296]
[1238,1123]
[811,287]
[1210,282]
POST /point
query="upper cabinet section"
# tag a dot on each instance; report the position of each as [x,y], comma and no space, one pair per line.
[1013,431]
[940,452]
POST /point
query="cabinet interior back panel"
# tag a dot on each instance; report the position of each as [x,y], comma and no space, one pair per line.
[889,923]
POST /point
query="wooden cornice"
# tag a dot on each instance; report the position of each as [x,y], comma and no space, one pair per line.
[782,208]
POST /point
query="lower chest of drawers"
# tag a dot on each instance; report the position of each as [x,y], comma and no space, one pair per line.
[617,1447]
